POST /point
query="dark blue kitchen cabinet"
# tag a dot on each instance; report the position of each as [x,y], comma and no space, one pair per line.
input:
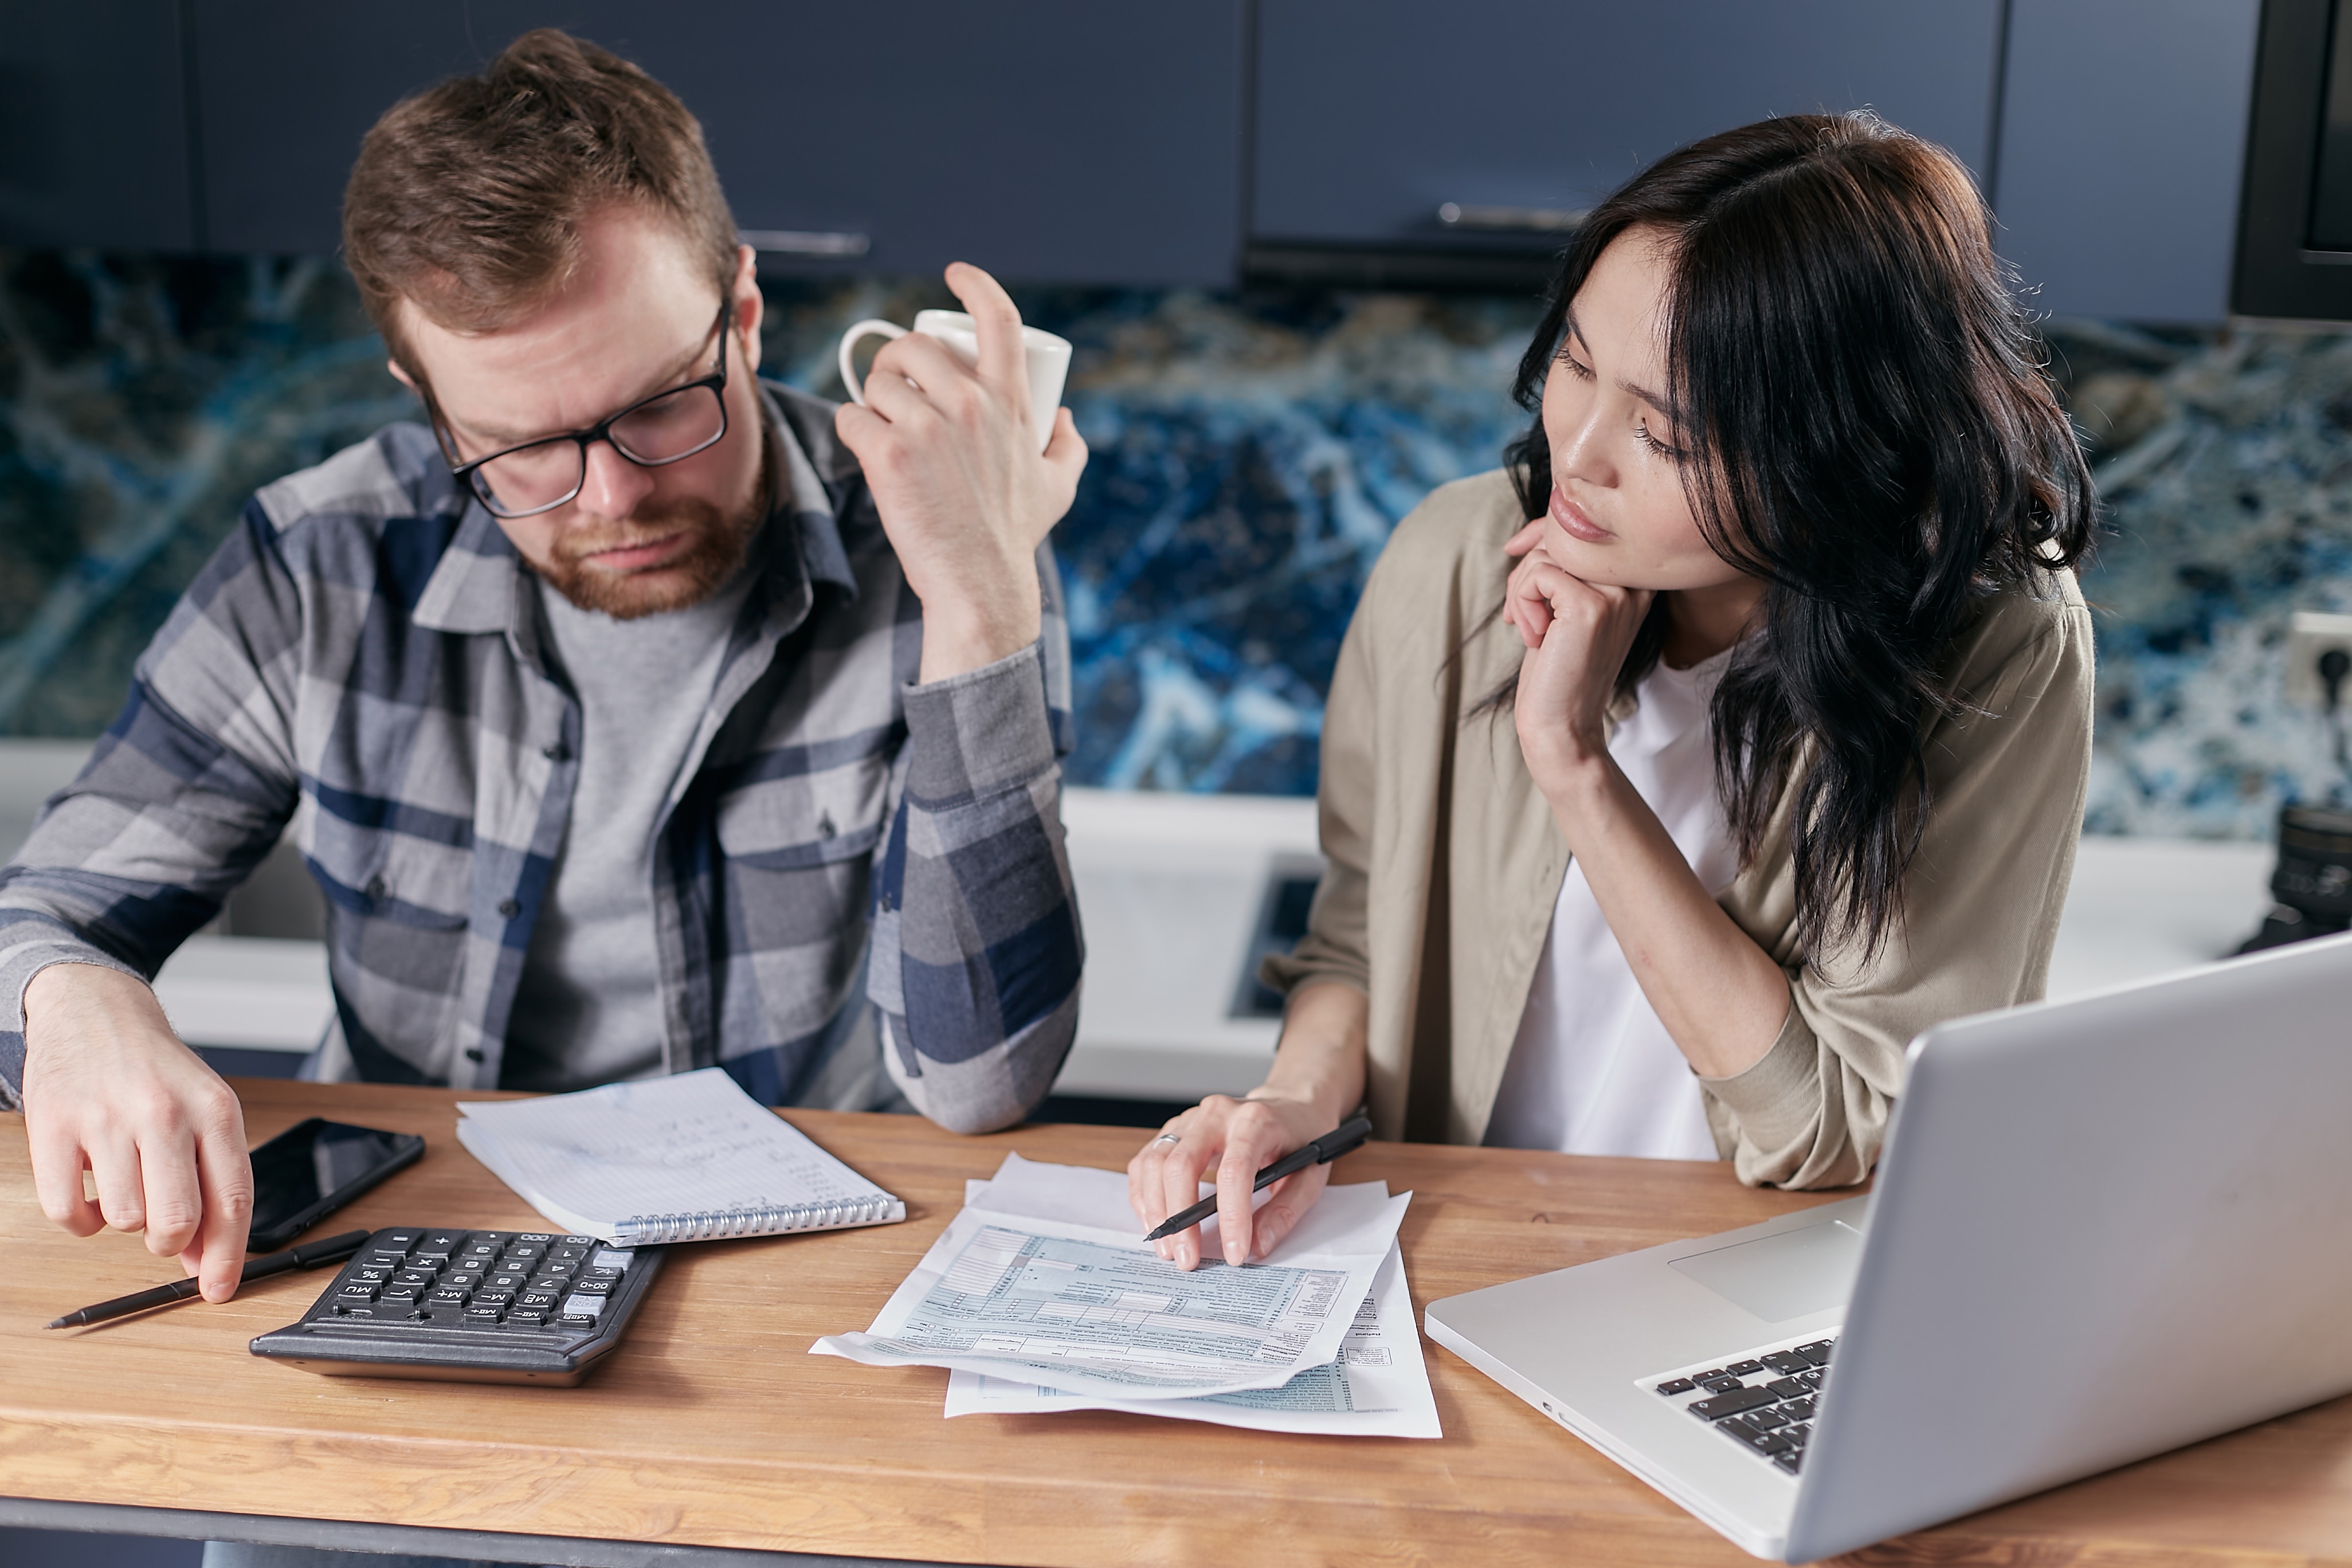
[93,125]
[2123,131]
[1048,140]
[1375,117]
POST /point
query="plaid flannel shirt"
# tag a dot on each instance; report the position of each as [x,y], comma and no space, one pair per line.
[362,658]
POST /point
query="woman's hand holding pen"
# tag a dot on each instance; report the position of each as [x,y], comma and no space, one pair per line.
[1318,1079]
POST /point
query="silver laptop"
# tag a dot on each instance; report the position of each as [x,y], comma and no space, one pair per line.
[2102,1228]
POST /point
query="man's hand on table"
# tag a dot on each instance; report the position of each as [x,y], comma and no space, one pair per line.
[108,1087]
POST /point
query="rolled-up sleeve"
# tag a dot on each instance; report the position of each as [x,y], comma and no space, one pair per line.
[978,951]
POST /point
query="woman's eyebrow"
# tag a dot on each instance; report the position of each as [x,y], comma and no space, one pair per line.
[1644,394]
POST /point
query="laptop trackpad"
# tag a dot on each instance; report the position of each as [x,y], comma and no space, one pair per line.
[1784,1275]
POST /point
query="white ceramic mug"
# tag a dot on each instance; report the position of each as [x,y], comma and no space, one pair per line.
[1049,359]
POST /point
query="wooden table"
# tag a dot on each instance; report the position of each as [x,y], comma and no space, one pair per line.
[711,1427]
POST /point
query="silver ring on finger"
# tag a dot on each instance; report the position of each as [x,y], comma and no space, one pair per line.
[1168,1138]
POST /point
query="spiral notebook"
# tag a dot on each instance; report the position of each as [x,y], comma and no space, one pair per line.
[689,1158]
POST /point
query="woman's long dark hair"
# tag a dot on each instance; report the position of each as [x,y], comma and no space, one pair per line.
[1871,433]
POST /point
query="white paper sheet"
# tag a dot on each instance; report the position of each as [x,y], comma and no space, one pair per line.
[1379,1386]
[1030,1285]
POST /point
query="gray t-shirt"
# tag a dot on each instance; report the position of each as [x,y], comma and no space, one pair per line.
[588,1008]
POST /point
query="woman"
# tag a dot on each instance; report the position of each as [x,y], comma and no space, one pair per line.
[1767,753]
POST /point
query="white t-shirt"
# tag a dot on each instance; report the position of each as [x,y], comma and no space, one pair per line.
[1592,1070]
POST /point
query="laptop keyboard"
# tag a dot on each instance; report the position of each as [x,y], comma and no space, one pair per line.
[1763,1401]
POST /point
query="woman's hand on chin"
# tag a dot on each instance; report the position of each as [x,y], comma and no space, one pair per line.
[1576,635]
[1229,1141]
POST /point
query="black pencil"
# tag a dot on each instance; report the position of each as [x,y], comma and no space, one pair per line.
[332,1250]
[1328,1147]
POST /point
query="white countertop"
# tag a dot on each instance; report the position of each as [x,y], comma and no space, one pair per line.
[1170,891]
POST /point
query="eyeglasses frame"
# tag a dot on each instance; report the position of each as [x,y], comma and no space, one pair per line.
[584,438]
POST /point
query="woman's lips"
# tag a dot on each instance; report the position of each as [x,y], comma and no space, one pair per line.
[1574,523]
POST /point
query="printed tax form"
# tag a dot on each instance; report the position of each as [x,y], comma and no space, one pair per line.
[1377,1387]
[1035,1289]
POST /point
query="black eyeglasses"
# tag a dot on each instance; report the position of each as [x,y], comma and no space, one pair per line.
[540,476]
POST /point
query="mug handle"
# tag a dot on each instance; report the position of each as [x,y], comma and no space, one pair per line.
[849,341]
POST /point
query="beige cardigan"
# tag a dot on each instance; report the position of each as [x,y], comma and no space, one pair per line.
[1445,862]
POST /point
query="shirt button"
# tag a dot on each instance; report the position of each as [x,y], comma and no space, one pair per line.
[473,1054]
[557,753]
[376,886]
[509,908]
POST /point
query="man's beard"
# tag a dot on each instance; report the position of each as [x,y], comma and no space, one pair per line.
[717,551]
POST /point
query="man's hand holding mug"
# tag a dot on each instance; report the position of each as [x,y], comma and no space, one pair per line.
[971,462]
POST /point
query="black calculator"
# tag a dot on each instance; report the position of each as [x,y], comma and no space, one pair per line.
[470,1306]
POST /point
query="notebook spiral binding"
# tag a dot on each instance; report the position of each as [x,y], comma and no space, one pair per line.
[653,1229]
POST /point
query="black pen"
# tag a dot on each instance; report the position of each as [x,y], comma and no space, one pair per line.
[1328,1147]
[334,1250]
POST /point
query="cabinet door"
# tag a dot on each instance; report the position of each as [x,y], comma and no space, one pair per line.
[1372,114]
[1051,140]
[2123,135]
[93,126]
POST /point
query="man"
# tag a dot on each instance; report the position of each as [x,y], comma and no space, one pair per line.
[634,717]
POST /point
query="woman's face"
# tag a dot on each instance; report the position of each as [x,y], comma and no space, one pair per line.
[1619,513]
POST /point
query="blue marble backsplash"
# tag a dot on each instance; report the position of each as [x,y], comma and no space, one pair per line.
[1251,453]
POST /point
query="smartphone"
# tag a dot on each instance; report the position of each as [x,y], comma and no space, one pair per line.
[314,1168]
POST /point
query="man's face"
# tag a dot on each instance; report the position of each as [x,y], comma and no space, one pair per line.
[636,319]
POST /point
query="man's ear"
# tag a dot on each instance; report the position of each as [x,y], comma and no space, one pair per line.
[401,375]
[750,306]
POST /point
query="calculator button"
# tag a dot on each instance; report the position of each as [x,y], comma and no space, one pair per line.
[481,1314]
[357,1291]
[372,1276]
[399,1295]
[579,1241]
[404,1239]
[443,1240]
[613,1258]
[580,1307]
[536,1300]
[591,1288]
[445,1297]
[383,1259]
[526,1250]
[420,1277]
[462,1279]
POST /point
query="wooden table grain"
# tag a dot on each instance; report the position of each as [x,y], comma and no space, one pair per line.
[713,1427]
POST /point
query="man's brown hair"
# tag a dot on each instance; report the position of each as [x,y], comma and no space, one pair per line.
[467,197]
